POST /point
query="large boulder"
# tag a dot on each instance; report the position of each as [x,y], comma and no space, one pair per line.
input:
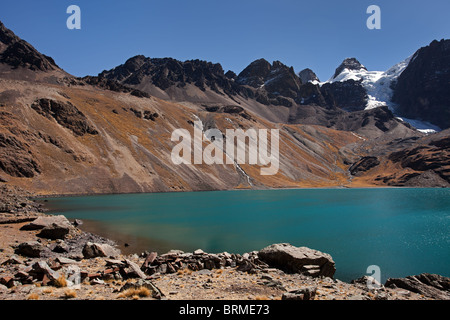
[302,260]
[93,250]
[30,249]
[52,227]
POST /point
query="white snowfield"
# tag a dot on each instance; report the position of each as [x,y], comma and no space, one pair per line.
[379,92]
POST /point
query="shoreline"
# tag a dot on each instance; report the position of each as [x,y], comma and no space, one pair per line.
[171,276]
[77,195]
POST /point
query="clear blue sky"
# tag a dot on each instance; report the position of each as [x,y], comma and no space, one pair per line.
[314,34]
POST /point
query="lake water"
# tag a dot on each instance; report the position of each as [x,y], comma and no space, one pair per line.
[405,231]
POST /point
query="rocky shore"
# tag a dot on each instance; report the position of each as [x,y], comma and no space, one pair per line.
[48,258]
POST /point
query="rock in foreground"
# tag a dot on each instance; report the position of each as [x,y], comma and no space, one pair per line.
[430,285]
[298,260]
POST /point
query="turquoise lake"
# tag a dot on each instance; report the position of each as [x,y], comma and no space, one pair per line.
[405,231]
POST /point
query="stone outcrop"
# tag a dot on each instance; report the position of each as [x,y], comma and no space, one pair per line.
[19,53]
[32,249]
[421,91]
[17,159]
[66,114]
[298,260]
[363,165]
[429,285]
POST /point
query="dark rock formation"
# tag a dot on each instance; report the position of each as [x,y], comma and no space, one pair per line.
[422,90]
[363,165]
[430,285]
[32,249]
[112,85]
[307,75]
[167,72]
[17,160]
[348,95]
[350,64]
[18,53]
[66,114]
[276,80]
[435,157]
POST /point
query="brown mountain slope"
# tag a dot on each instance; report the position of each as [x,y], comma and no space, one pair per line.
[82,139]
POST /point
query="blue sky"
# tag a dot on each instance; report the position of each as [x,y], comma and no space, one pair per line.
[313,34]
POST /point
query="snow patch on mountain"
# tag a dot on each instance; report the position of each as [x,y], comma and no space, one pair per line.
[378,85]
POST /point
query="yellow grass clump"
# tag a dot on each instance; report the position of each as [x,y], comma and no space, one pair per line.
[61,282]
[70,294]
[135,293]
[33,296]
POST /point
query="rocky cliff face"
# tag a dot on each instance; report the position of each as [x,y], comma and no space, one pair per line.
[16,52]
[422,90]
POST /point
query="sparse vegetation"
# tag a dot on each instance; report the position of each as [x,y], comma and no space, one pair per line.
[61,282]
[33,296]
[70,294]
[135,293]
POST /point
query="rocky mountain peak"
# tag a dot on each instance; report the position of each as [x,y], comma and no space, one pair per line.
[349,64]
[17,53]
[421,91]
[307,75]
[255,73]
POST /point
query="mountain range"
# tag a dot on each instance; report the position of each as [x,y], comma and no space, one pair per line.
[111,133]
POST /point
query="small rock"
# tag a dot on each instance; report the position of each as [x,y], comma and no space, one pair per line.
[115,262]
[13,260]
[61,248]
[358,297]
[41,269]
[135,269]
[199,252]
[63,260]
[204,272]
[307,293]
[97,281]
[77,222]
[149,260]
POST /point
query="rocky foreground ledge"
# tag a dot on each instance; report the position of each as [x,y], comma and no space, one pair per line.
[48,257]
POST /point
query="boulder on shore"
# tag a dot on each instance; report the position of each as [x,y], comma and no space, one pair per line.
[93,250]
[302,260]
[52,227]
[46,222]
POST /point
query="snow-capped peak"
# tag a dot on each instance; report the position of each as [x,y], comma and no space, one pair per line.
[378,85]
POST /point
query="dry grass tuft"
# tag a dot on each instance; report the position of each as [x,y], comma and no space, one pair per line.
[33,296]
[135,293]
[47,290]
[70,294]
[61,282]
